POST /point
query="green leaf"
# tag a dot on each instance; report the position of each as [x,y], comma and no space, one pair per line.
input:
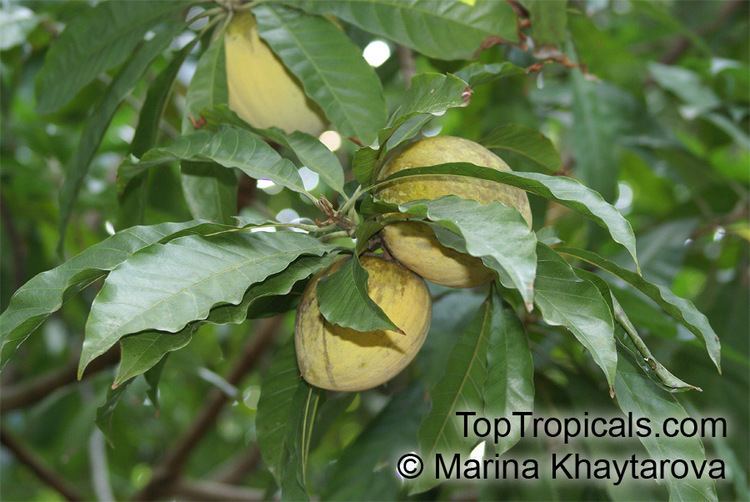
[358,472]
[638,395]
[101,115]
[597,126]
[343,300]
[527,142]
[104,412]
[479,73]
[284,421]
[430,94]
[628,336]
[687,86]
[210,191]
[363,164]
[679,308]
[567,300]
[494,232]
[208,87]
[132,198]
[99,39]
[330,67]
[566,191]
[139,353]
[45,293]
[460,389]
[165,287]
[230,147]
[304,414]
[152,377]
[548,20]
[318,158]
[509,385]
[441,29]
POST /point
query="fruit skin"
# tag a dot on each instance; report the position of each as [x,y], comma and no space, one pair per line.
[341,359]
[261,90]
[414,244]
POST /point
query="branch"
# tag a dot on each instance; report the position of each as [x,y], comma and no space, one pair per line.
[170,469]
[34,390]
[406,63]
[216,492]
[44,473]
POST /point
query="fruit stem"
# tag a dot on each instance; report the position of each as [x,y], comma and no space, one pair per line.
[351,201]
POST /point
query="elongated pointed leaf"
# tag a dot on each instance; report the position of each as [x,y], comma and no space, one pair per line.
[442,29]
[230,147]
[479,74]
[460,389]
[430,94]
[318,158]
[132,195]
[343,300]
[104,412]
[526,142]
[283,420]
[99,39]
[101,115]
[139,353]
[628,336]
[330,67]
[548,21]
[566,191]
[357,474]
[638,395]
[494,232]
[45,293]
[208,87]
[509,385]
[165,287]
[209,189]
[679,308]
[567,300]
[275,285]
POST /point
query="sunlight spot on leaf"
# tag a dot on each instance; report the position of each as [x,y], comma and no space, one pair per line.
[287,215]
[624,198]
[126,133]
[478,452]
[376,53]
[149,35]
[310,179]
[269,186]
[331,139]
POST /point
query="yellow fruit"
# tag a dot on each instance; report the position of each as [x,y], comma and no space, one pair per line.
[414,244]
[341,359]
[261,90]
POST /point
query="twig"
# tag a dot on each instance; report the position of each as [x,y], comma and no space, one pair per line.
[44,473]
[406,63]
[170,469]
[34,390]
[216,492]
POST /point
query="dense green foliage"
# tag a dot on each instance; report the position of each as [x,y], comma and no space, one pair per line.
[140,254]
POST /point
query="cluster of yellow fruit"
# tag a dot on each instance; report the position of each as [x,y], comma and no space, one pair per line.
[262,92]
